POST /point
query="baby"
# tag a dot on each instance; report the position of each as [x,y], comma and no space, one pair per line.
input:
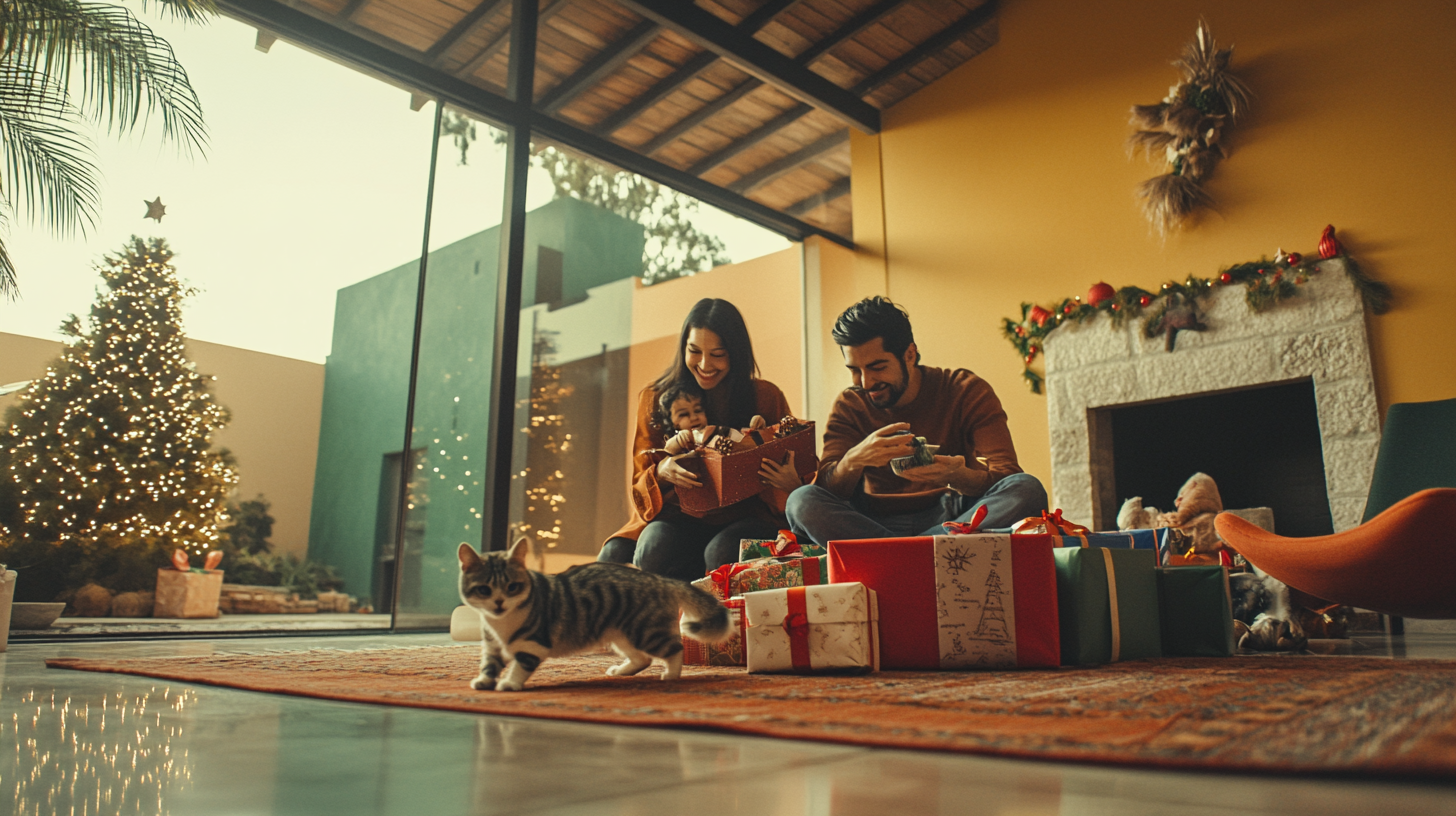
[680,409]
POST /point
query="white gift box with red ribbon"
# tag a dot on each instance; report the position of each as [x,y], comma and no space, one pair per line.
[812,629]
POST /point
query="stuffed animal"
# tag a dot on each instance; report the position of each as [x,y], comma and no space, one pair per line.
[1197,504]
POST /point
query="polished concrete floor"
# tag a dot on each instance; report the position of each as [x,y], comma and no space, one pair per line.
[87,743]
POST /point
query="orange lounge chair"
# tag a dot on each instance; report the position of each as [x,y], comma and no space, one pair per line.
[1401,562]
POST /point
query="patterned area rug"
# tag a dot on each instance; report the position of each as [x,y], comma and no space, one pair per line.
[1346,716]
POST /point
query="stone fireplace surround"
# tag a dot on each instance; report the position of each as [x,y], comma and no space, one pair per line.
[1319,334]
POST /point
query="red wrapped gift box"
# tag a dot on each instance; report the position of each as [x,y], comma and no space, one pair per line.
[731,478]
[958,602]
[730,652]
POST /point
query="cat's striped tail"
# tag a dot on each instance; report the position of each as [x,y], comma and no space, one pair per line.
[703,617]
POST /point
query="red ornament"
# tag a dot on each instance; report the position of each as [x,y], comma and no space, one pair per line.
[1100,292]
[1144,300]
[1068,309]
[1329,245]
[1295,259]
[1261,271]
[1029,358]
[1225,278]
[1116,306]
[1020,331]
[1039,316]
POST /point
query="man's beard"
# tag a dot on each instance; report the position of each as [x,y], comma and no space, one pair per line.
[891,392]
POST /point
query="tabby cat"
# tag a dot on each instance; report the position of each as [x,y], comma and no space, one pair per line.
[529,616]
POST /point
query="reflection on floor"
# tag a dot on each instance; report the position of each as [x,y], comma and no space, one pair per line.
[90,743]
[315,622]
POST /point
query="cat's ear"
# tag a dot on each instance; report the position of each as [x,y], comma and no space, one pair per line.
[520,550]
[469,558]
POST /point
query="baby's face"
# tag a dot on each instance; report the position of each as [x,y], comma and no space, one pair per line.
[688,415]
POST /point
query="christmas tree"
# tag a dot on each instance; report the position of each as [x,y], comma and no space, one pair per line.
[549,445]
[107,463]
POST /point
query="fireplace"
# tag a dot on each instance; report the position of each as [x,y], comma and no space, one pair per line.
[1278,406]
[1261,446]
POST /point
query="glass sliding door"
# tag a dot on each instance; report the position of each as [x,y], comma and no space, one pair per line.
[443,504]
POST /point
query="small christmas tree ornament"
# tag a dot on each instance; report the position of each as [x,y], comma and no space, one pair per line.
[1329,245]
[1100,292]
[1039,316]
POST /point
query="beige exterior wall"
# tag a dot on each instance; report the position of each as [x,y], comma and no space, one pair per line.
[275,404]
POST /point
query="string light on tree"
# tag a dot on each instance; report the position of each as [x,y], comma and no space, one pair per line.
[112,449]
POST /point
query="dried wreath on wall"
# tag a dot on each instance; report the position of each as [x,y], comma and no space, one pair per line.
[1186,130]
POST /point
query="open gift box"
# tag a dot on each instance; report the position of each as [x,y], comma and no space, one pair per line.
[729,478]
[191,594]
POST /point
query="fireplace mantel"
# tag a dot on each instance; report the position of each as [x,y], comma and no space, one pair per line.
[1320,334]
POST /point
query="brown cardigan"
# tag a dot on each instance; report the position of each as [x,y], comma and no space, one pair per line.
[651,499]
[954,409]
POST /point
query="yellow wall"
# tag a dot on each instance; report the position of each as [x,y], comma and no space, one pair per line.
[275,404]
[1007,179]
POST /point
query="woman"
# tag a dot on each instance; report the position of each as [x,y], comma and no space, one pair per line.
[715,354]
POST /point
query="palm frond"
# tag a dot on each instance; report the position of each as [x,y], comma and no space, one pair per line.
[190,11]
[47,167]
[124,69]
[9,286]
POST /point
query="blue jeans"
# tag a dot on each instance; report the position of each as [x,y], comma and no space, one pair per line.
[684,547]
[824,516]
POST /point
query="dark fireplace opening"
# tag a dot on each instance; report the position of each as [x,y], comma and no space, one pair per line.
[1261,446]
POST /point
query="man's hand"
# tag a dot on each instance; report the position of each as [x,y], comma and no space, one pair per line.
[875,450]
[668,470]
[946,471]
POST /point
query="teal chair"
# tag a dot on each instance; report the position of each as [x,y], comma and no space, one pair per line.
[1417,451]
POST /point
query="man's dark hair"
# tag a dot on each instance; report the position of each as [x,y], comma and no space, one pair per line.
[875,317]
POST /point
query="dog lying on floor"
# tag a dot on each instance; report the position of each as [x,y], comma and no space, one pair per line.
[1263,615]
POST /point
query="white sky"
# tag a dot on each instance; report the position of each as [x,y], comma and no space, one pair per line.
[314,179]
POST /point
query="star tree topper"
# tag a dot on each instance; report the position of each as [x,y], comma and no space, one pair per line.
[155,209]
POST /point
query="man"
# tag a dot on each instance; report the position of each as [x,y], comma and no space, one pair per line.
[895,399]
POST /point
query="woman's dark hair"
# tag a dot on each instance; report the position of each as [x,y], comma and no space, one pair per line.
[721,318]
[672,394]
[875,317]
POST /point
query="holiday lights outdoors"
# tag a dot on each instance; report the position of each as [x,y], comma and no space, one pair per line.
[107,465]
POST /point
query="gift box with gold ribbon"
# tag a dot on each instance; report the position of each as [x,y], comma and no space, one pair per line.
[813,629]
[1108,604]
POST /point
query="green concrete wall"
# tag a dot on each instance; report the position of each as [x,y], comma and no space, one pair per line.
[365,388]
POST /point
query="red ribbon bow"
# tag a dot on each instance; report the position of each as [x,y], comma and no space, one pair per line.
[723,577]
[966,527]
[796,624]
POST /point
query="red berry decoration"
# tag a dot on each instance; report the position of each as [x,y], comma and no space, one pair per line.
[1144,300]
[1039,316]
[1225,278]
[1068,309]
[1261,271]
[1100,292]
[1329,245]
[1295,259]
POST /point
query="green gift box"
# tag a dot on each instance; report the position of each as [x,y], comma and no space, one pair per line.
[1196,611]
[1108,604]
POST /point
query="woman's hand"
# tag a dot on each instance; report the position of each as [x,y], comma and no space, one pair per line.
[668,470]
[784,477]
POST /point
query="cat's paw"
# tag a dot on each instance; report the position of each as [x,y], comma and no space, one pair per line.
[506,684]
[483,683]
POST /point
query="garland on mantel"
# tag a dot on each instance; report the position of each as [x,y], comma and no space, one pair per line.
[1175,307]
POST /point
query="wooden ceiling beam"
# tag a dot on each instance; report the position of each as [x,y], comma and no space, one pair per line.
[972,20]
[700,116]
[851,28]
[475,18]
[758,60]
[352,8]
[497,45]
[597,68]
[764,14]
[781,167]
[742,143]
[836,191]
